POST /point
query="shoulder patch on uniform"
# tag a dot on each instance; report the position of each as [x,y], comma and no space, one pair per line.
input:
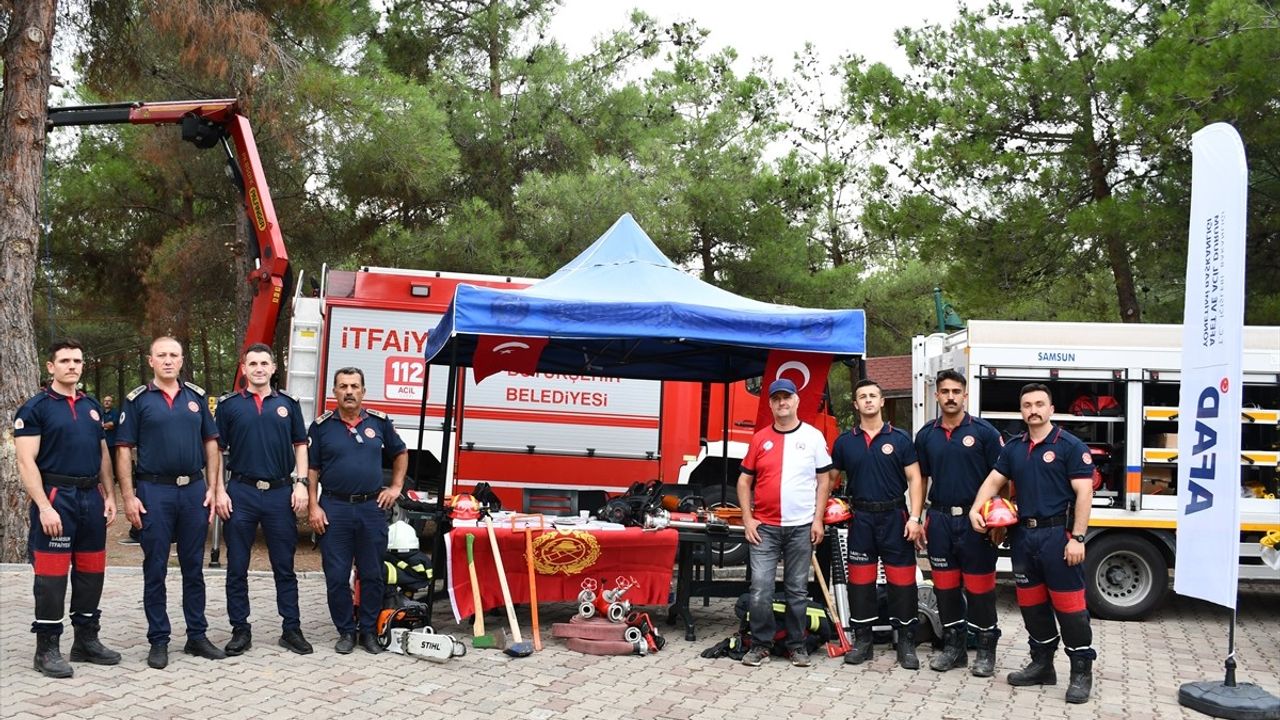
[327,414]
[286,395]
[134,393]
[195,388]
[223,398]
[376,413]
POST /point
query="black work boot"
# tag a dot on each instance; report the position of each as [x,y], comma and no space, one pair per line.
[984,660]
[241,641]
[863,643]
[87,648]
[1039,671]
[1081,683]
[907,648]
[954,653]
[49,659]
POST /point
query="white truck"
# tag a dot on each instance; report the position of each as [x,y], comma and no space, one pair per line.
[1115,386]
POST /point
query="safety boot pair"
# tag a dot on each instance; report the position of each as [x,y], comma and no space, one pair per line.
[49,660]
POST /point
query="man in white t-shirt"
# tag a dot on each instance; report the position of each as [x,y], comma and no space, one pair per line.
[782,488]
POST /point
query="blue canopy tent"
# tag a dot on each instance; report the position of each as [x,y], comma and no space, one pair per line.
[622,309]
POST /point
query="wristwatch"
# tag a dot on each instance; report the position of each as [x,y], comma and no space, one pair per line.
[919,520]
[1078,538]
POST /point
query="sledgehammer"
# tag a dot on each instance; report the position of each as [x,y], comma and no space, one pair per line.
[479,638]
[519,648]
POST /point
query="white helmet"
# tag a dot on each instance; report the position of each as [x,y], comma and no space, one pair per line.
[402,538]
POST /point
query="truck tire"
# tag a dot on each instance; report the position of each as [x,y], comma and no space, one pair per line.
[728,553]
[1125,576]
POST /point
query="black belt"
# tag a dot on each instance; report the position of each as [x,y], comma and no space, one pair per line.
[952,510]
[1054,521]
[869,506]
[350,497]
[74,481]
[179,480]
[260,483]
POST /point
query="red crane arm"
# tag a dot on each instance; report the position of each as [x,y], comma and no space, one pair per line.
[206,123]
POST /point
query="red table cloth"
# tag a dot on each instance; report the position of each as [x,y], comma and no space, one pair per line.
[562,560]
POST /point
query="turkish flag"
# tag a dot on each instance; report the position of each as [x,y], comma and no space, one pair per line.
[807,370]
[495,353]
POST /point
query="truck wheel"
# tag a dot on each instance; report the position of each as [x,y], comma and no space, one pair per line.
[727,553]
[1125,577]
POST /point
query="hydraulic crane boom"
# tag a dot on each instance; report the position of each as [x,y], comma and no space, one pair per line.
[206,123]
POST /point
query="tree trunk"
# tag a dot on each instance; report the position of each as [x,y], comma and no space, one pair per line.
[26,51]
[494,51]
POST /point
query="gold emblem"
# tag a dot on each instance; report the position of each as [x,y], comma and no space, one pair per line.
[565,552]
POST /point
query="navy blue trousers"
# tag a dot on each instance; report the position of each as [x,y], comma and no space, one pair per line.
[173,513]
[272,510]
[357,531]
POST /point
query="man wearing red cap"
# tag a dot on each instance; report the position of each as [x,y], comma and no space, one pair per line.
[783,487]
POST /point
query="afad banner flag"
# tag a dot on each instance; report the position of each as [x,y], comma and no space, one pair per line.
[498,353]
[807,370]
[1212,347]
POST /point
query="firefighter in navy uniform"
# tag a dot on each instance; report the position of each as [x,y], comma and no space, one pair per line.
[880,462]
[266,438]
[178,489]
[956,453]
[65,468]
[1052,472]
[347,504]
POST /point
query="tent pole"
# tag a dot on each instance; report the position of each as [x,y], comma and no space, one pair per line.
[724,445]
[422,424]
[445,446]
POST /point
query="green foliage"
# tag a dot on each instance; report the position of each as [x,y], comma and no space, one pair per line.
[1029,151]
[1034,163]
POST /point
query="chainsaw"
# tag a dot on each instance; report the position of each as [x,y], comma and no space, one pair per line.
[405,631]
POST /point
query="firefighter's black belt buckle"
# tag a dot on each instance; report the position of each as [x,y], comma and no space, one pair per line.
[262,485]
[182,480]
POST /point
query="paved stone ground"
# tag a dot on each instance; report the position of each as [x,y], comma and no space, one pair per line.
[1137,674]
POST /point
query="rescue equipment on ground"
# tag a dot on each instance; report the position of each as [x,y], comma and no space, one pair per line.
[594,600]
[406,630]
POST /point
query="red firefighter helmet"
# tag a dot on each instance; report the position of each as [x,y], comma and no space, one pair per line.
[837,511]
[998,512]
[464,507]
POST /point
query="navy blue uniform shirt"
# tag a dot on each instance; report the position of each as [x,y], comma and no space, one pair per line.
[1042,472]
[111,416]
[957,460]
[876,466]
[70,431]
[261,432]
[349,457]
[169,432]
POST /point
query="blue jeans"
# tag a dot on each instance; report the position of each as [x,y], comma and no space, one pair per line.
[792,546]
